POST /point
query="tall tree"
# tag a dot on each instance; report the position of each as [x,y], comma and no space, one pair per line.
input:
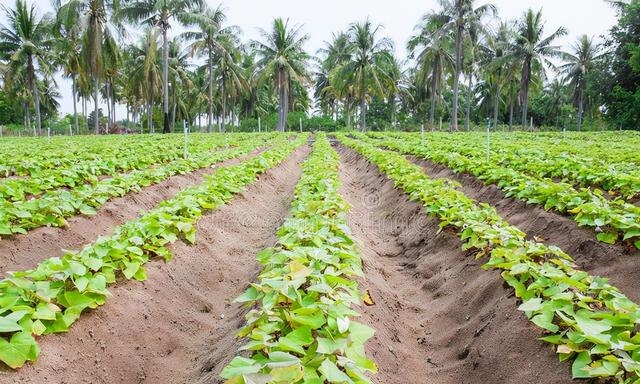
[369,64]
[460,16]
[95,16]
[282,58]
[218,43]
[144,74]
[67,32]
[499,69]
[24,43]
[579,63]
[431,47]
[534,51]
[159,13]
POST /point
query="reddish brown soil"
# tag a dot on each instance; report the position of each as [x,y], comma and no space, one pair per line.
[439,317]
[178,326]
[617,262]
[26,251]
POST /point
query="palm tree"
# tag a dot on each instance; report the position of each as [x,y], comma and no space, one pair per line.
[579,62]
[158,13]
[499,69]
[534,51]
[281,57]
[24,44]
[431,47]
[94,15]
[144,76]
[178,75]
[67,32]
[219,44]
[460,16]
[369,64]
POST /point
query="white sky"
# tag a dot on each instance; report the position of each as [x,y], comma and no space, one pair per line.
[323,17]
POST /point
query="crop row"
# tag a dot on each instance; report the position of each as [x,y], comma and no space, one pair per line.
[34,156]
[53,207]
[559,160]
[612,147]
[588,320]
[91,172]
[301,327]
[614,220]
[50,298]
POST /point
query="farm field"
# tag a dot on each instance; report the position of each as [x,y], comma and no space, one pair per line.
[321,258]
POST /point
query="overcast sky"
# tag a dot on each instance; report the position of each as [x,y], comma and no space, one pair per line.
[321,18]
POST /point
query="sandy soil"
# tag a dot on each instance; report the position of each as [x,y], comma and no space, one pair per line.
[439,317]
[26,251]
[617,262]
[178,326]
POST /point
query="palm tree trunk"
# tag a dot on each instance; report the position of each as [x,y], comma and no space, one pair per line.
[580,108]
[282,119]
[75,108]
[27,120]
[468,111]
[347,112]
[224,105]
[456,79]
[512,102]
[496,106]
[363,113]
[286,101]
[96,119]
[524,94]
[113,106]
[434,97]
[174,108]
[34,92]
[165,77]
[108,106]
[210,92]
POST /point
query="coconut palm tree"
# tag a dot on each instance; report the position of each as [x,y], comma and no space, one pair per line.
[336,52]
[499,69]
[144,76]
[459,17]
[534,50]
[580,61]
[218,43]
[369,64]
[95,17]
[281,58]
[67,32]
[24,44]
[179,79]
[431,47]
[159,14]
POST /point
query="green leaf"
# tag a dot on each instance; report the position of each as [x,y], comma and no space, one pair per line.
[290,374]
[131,269]
[592,329]
[360,333]
[239,366]
[295,341]
[607,237]
[9,325]
[22,347]
[332,373]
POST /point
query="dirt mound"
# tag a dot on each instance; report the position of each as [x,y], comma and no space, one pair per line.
[439,317]
[617,262]
[178,326]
